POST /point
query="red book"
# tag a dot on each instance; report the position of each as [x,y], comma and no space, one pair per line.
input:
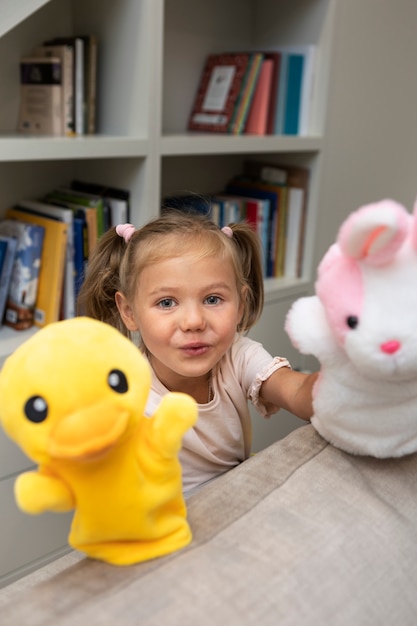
[218,92]
[257,120]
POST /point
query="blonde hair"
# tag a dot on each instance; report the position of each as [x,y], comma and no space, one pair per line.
[116,265]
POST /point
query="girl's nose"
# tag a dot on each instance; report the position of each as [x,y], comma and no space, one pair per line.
[193,318]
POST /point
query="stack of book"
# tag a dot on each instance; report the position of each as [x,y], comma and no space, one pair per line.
[259,92]
[273,199]
[71,220]
[58,87]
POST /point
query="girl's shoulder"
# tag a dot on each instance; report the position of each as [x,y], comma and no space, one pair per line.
[246,357]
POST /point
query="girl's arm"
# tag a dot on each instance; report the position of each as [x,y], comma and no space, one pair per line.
[290,390]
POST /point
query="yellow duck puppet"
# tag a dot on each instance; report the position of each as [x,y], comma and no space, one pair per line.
[73,398]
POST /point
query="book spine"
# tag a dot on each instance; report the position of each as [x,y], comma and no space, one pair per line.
[257,119]
[79,85]
[293,97]
[68,90]
[91,85]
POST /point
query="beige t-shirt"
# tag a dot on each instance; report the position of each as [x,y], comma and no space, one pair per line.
[222,436]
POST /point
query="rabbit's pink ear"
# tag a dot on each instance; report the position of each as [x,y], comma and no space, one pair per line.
[375,232]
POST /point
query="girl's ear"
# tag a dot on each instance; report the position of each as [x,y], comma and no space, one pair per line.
[126,312]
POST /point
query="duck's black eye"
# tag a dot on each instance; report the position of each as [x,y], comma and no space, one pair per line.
[352,321]
[118,381]
[36,409]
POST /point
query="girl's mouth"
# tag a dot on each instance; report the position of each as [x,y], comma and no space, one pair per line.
[196,349]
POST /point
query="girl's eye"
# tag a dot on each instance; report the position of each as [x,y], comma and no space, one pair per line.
[166,303]
[213,299]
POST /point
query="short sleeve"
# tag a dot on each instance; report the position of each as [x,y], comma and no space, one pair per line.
[253,365]
[264,409]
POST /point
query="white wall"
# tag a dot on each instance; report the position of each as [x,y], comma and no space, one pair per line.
[371,134]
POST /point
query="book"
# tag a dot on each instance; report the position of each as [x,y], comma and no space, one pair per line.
[24,280]
[86,213]
[77,44]
[40,96]
[80,199]
[230,209]
[8,247]
[257,215]
[244,187]
[80,252]
[295,90]
[276,194]
[281,95]
[275,57]
[90,82]
[218,91]
[240,114]
[116,199]
[65,52]
[66,216]
[257,121]
[295,177]
[52,265]
[3,248]
[307,92]
[291,121]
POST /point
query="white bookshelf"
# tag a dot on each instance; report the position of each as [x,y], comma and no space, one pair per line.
[151,54]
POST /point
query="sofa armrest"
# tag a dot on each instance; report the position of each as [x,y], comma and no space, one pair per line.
[301,533]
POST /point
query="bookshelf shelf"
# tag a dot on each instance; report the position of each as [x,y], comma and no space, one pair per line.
[171,145]
[18,148]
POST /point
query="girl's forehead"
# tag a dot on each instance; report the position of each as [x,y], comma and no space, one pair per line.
[176,245]
[190,268]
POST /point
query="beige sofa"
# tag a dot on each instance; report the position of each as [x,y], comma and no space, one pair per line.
[300,534]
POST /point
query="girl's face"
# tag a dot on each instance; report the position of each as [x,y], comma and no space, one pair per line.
[187,310]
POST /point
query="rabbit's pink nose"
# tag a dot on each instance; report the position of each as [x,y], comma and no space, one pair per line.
[390,346]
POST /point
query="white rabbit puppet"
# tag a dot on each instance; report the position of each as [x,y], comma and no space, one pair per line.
[362,327]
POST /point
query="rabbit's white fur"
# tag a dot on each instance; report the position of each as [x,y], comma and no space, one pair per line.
[362,327]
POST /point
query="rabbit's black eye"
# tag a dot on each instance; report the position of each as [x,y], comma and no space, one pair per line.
[36,409]
[352,321]
[118,381]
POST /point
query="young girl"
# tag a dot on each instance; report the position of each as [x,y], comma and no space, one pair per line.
[190,291]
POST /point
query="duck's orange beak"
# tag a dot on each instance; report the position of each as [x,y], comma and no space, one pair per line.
[88,432]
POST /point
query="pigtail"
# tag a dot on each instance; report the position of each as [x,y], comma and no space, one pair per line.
[250,254]
[97,294]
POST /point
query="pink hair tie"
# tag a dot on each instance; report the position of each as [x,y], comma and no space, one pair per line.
[227,231]
[126,231]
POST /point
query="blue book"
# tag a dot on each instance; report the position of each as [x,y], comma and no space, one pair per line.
[8,247]
[295,91]
[3,248]
[293,94]
[80,251]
